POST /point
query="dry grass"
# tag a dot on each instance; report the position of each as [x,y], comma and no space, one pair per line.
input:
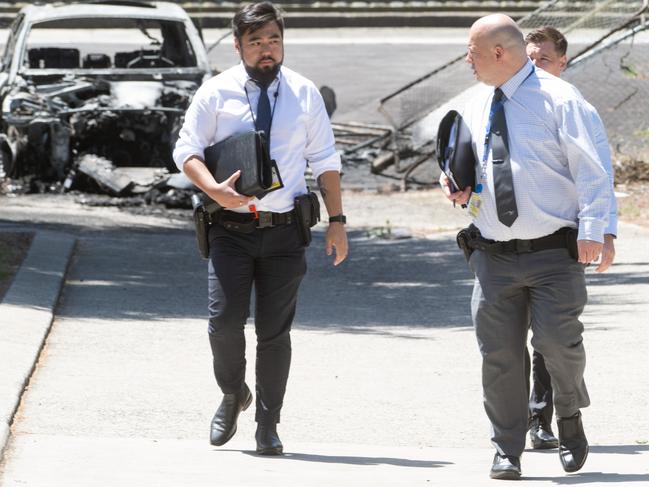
[634,208]
[13,249]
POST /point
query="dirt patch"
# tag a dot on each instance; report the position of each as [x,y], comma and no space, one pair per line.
[13,249]
[633,203]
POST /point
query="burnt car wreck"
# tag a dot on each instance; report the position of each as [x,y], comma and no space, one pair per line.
[93,95]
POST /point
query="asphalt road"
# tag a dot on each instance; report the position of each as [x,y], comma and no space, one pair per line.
[361,65]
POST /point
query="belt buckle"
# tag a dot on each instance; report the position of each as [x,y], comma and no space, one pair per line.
[523,246]
[265,219]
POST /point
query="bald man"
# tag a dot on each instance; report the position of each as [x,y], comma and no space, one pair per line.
[547,48]
[539,211]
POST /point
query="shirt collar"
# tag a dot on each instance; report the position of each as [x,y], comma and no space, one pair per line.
[510,86]
[244,78]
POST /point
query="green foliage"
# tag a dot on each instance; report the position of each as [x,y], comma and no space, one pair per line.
[6,254]
[381,232]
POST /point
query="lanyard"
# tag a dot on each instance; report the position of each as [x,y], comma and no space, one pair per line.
[487,140]
[272,112]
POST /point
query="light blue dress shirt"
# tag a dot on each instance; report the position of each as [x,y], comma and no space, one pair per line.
[604,152]
[559,178]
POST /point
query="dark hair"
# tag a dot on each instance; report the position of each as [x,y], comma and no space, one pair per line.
[551,34]
[254,16]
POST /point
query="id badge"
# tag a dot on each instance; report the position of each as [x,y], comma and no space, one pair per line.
[475,204]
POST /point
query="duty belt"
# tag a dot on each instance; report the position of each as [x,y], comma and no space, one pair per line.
[247,222]
[564,238]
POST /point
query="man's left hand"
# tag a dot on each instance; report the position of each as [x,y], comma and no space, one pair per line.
[589,251]
[608,253]
[336,237]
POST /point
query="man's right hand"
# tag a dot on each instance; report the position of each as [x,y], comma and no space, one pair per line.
[461,197]
[225,194]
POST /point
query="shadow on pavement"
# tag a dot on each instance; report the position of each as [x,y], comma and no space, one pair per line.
[353,460]
[386,283]
[593,477]
[586,477]
[383,286]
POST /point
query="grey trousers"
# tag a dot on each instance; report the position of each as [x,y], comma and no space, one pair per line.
[548,290]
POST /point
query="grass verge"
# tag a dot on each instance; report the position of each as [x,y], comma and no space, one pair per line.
[13,249]
[633,205]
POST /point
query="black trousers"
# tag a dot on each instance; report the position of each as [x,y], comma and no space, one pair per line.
[273,259]
[540,404]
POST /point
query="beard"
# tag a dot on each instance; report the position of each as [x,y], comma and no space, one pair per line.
[263,76]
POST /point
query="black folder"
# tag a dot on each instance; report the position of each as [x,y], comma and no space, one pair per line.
[455,151]
[247,152]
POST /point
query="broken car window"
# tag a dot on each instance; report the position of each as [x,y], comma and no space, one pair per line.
[108,43]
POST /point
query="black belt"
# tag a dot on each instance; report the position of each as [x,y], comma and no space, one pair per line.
[247,222]
[564,238]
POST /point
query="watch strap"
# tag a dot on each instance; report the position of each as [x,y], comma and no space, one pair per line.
[338,218]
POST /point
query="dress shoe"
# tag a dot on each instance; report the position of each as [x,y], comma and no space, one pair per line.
[268,443]
[506,467]
[224,422]
[541,435]
[573,445]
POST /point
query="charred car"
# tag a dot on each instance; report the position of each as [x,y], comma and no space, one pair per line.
[96,88]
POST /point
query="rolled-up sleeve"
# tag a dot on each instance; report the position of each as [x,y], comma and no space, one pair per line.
[198,128]
[577,135]
[320,149]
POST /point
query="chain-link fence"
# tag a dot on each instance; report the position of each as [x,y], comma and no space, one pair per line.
[609,52]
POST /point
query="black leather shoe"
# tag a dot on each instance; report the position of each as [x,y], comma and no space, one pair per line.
[573,445]
[506,467]
[541,435]
[268,443]
[224,422]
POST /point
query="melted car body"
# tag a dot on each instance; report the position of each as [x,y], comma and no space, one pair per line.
[109,81]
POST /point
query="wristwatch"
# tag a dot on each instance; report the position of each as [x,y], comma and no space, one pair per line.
[338,218]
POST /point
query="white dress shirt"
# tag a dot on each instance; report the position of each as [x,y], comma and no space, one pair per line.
[300,133]
[558,176]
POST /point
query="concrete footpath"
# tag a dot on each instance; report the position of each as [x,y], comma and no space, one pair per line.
[385,383]
[26,313]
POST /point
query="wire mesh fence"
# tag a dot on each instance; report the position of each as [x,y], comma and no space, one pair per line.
[609,51]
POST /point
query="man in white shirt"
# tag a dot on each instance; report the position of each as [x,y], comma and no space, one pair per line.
[259,94]
[547,47]
[539,210]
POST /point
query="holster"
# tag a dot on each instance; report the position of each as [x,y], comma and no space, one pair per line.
[307,212]
[463,238]
[571,242]
[205,210]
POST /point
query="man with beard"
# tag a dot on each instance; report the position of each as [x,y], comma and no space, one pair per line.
[260,94]
[539,209]
[547,48]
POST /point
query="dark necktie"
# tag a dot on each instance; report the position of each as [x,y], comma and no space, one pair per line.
[263,111]
[502,169]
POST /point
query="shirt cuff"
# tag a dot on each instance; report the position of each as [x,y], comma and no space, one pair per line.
[611,228]
[331,163]
[182,154]
[591,229]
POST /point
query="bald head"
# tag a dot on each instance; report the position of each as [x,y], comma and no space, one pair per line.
[496,49]
[499,30]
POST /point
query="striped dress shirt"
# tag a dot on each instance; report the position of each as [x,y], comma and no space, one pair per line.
[559,178]
[604,153]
